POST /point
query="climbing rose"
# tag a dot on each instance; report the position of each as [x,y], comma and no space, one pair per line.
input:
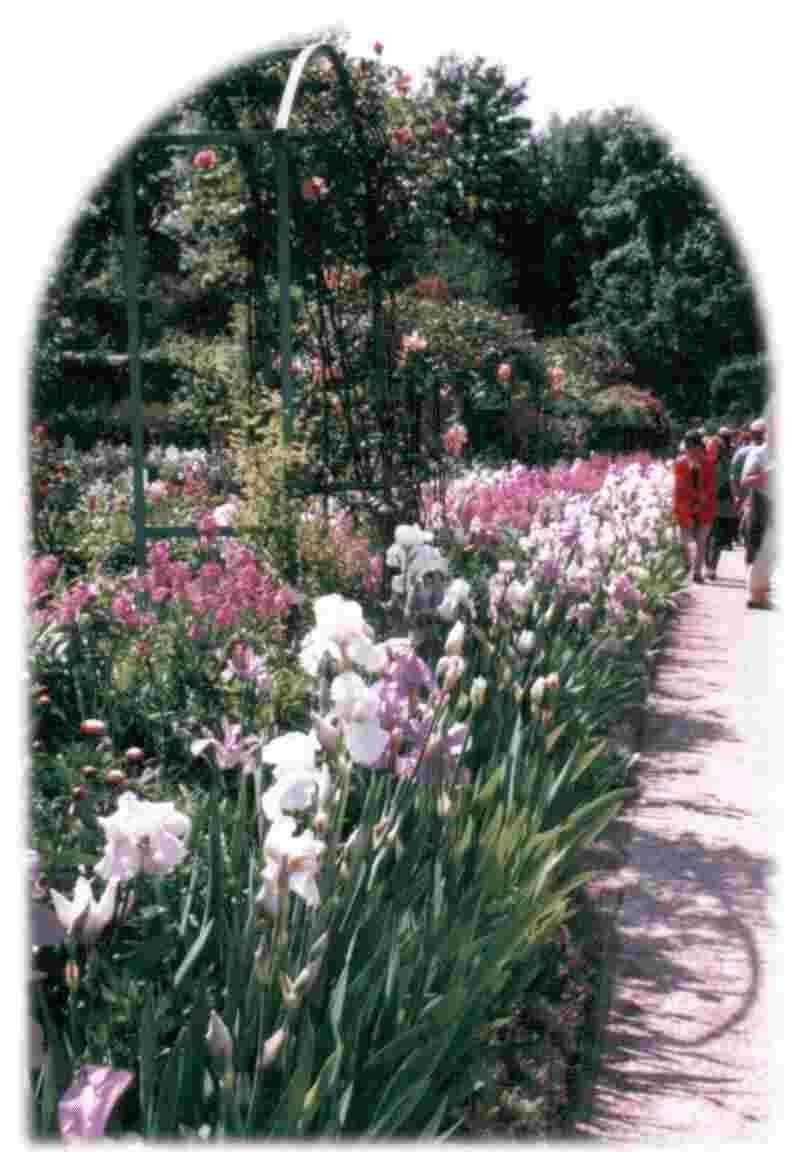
[439,128]
[402,136]
[314,188]
[455,439]
[504,372]
[204,160]
[555,378]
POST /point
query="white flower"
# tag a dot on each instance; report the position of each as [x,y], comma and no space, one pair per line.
[293,752]
[294,857]
[454,643]
[477,694]
[142,835]
[225,512]
[341,632]
[526,642]
[83,917]
[219,1041]
[411,535]
[357,708]
[458,593]
[299,782]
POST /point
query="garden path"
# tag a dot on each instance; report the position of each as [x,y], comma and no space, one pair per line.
[690,1049]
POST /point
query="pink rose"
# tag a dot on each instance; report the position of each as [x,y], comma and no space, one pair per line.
[402,136]
[204,160]
[377,47]
[314,188]
[440,129]
[455,439]
[93,727]
[504,372]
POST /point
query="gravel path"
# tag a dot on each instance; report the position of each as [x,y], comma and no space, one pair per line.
[691,1048]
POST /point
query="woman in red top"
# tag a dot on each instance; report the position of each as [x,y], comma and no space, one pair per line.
[694,500]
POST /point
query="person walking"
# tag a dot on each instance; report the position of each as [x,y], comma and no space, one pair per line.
[725,524]
[752,438]
[757,480]
[694,501]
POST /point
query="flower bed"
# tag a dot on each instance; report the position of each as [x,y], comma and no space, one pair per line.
[292,878]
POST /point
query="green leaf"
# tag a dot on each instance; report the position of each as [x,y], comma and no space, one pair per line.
[299,1084]
[167,1108]
[194,953]
[148,1042]
[57,1069]
[150,954]
[189,896]
[554,735]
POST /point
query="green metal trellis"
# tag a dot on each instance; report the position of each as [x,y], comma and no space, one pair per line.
[279,135]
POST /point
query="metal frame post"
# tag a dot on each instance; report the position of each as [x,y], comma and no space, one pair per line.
[280,137]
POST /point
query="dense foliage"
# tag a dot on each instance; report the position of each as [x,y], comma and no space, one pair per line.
[594,226]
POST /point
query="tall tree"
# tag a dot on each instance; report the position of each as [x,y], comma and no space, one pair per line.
[667,285]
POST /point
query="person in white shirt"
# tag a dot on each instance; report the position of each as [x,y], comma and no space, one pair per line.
[758,479]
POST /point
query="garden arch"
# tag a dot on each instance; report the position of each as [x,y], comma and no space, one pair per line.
[280,136]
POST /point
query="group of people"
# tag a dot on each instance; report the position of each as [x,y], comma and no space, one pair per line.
[724,492]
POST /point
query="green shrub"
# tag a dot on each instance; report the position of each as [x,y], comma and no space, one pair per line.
[626,418]
[741,387]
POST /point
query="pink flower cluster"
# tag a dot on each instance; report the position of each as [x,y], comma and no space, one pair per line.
[407,702]
[38,573]
[352,552]
[72,603]
[483,505]
[223,591]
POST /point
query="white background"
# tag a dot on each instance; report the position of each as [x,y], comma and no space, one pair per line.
[81,78]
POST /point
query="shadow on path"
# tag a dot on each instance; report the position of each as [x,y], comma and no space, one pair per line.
[683,1055]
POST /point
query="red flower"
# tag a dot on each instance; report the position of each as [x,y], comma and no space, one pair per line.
[403,136]
[204,160]
[440,128]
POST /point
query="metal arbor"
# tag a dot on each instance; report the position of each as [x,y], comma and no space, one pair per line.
[280,137]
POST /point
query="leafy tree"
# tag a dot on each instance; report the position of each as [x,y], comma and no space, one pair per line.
[668,287]
[546,235]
